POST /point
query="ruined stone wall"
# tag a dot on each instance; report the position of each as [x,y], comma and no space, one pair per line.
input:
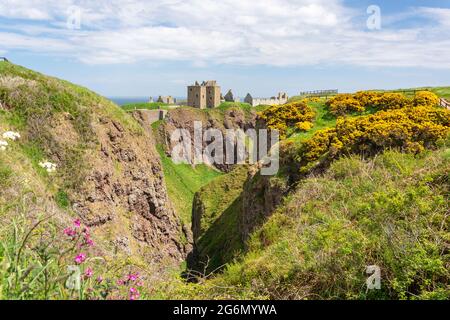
[197,97]
[212,96]
[269,101]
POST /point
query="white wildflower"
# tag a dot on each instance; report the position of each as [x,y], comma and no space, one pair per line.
[50,167]
[3,145]
[11,135]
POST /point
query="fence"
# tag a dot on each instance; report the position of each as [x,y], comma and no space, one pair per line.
[444,103]
[319,93]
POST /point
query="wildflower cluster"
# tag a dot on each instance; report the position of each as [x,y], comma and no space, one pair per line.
[8,135]
[408,129]
[130,283]
[347,103]
[49,166]
[97,286]
[280,117]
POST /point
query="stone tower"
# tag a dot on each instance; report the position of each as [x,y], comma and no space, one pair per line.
[206,95]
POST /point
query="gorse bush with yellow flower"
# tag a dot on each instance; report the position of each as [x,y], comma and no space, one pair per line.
[425,98]
[343,104]
[295,114]
[348,103]
[410,129]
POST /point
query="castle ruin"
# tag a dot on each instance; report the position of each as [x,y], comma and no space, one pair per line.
[205,95]
[229,97]
[166,99]
[282,98]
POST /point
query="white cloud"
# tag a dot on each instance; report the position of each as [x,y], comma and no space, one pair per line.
[440,15]
[270,32]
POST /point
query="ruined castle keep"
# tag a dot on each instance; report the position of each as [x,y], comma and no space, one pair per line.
[166,99]
[282,98]
[205,95]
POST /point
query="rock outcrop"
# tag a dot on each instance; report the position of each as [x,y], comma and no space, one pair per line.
[232,118]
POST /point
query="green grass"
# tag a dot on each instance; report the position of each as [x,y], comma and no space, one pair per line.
[6,174]
[183,181]
[217,207]
[62,199]
[324,119]
[145,105]
[442,92]
[241,105]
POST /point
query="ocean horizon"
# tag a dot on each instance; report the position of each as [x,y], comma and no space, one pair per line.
[126,100]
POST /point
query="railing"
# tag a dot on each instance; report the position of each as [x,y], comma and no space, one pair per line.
[444,103]
[319,93]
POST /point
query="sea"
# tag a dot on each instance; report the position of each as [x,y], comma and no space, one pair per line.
[126,100]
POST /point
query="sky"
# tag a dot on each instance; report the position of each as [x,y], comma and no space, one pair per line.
[132,48]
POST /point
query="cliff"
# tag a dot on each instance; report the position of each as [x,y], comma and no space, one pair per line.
[108,173]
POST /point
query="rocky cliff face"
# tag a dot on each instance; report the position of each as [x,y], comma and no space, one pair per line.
[126,179]
[183,118]
[107,165]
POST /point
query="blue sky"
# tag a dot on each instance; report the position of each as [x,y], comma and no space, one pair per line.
[143,48]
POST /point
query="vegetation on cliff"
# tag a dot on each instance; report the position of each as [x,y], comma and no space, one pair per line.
[82,183]
[69,156]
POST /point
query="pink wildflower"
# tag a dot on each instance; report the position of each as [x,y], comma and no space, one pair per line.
[99,279]
[80,258]
[89,242]
[69,232]
[120,282]
[77,223]
[133,276]
[88,273]
[134,294]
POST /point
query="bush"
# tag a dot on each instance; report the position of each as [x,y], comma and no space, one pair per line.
[407,129]
[425,99]
[280,117]
[347,103]
[343,104]
[389,101]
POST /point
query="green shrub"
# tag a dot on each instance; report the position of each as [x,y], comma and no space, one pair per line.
[62,199]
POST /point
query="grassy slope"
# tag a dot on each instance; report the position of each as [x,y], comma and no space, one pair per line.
[389,211]
[183,181]
[219,241]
